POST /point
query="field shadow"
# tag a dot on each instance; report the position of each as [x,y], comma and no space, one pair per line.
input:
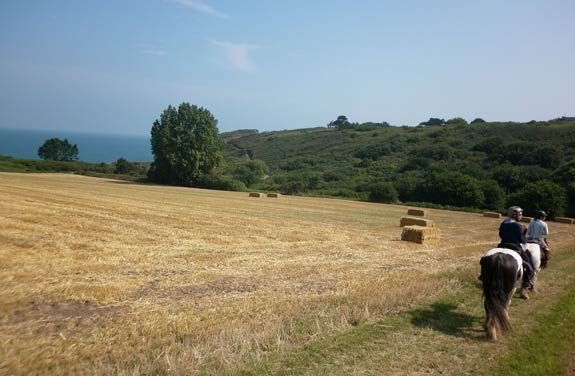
[444,318]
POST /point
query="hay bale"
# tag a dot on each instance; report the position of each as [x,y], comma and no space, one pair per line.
[274,195]
[565,220]
[526,219]
[492,214]
[410,221]
[417,212]
[255,194]
[419,234]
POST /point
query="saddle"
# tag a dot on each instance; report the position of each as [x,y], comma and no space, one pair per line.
[528,269]
[544,248]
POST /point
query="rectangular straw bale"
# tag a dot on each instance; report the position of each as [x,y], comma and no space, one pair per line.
[419,234]
[255,194]
[565,220]
[274,195]
[417,212]
[410,221]
[526,219]
[492,214]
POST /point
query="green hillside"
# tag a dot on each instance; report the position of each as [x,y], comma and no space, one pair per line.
[481,166]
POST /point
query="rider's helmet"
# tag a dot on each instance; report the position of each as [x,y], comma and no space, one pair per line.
[540,214]
[514,211]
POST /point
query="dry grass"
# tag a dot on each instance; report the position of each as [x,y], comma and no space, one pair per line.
[492,215]
[107,277]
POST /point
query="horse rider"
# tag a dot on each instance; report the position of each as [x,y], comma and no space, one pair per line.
[511,234]
[538,230]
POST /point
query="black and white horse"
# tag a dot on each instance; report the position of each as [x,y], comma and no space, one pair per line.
[501,274]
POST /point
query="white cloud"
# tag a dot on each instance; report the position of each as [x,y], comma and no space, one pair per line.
[202,7]
[236,54]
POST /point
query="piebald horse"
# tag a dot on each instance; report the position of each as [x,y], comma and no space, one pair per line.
[501,275]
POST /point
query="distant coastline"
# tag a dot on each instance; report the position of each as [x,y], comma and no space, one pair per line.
[94,148]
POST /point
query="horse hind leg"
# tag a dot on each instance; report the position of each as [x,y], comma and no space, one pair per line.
[509,297]
[491,328]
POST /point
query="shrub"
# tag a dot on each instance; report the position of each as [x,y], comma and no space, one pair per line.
[222,183]
[494,195]
[543,195]
[250,172]
[450,188]
[383,192]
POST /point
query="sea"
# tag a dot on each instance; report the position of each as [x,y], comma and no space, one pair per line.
[92,147]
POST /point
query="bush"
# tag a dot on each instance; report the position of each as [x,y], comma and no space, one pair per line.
[543,195]
[221,183]
[494,195]
[250,172]
[123,166]
[451,188]
[383,192]
[570,208]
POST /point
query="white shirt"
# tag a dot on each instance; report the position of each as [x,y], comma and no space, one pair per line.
[537,229]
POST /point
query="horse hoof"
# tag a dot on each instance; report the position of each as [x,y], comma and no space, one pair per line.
[524,296]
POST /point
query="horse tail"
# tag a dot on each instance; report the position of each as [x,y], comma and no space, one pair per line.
[498,274]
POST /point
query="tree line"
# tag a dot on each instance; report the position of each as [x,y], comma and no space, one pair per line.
[452,164]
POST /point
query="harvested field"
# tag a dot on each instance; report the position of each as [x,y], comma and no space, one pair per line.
[107,277]
[492,215]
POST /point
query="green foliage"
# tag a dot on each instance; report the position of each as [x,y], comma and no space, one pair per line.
[543,195]
[457,121]
[433,121]
[58,150]
[474,167]
[250,172]
[383,192]
[477,121]
[123,166]
[570,206]
[340,123]
[565,174]
[450,188]
[185,144]
[489,145]
[221,183]
[527,153]
[495,197]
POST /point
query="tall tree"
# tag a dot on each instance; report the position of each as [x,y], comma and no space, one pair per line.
[185,144]
[340,123]
[58,150]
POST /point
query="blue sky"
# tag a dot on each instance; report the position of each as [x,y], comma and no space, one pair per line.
[112,66]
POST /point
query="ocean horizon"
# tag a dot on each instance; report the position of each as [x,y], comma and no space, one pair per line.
[92,147]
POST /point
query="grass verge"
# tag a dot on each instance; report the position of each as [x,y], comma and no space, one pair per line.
[546,350]
[446,337]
